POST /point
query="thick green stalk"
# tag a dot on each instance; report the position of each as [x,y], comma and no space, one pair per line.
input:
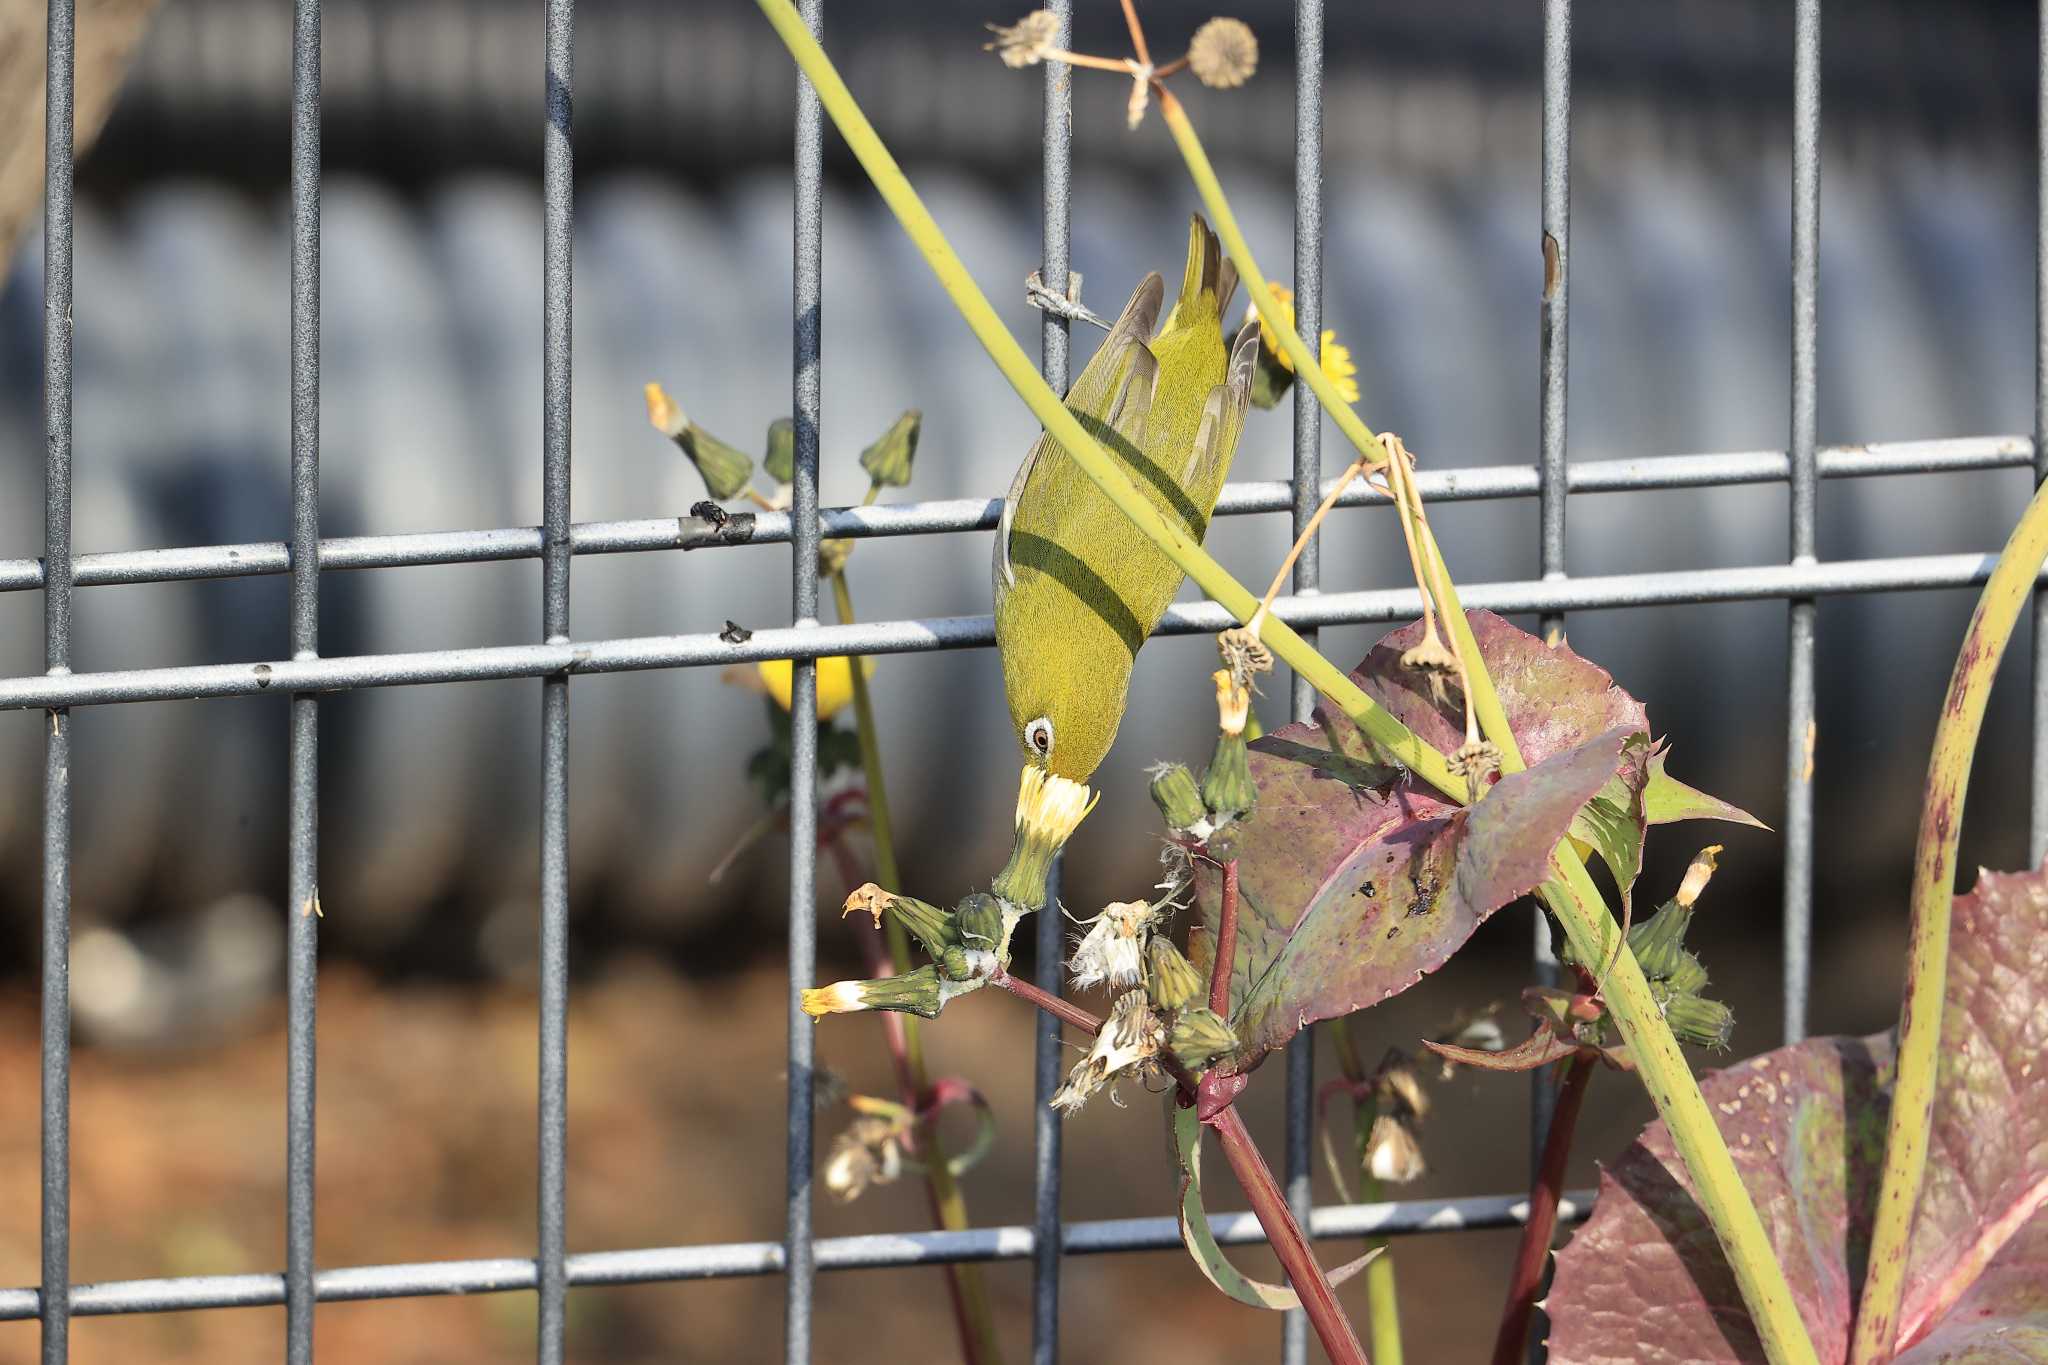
[1382,1298]
[1098,464]
[979,1344]
[1934,889]
[1577,902]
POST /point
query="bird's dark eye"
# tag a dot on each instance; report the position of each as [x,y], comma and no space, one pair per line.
[1038,734]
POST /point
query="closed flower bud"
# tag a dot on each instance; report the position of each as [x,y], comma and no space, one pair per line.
[979,921]
[889,460]
[1170,978]
[780,461]
[929,925]
[726,471]
[918,992]
[966,964]
[1199,1036]
[1048,809]
[1179,799]
[1689,977]
[1227,788]
[1659,941]
[1701,1022]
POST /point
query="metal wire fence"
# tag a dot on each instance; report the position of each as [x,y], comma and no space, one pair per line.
[305,675]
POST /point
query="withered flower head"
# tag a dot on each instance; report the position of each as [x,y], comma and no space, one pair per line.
[1026,42]
[1224,53]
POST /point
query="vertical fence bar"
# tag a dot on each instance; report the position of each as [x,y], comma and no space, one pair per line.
[56,1096]
[557,322]
[1553,340]
[2037,825]
[1800,733]
[302,954]
[1299,1165]
[1056,216]
[808,398]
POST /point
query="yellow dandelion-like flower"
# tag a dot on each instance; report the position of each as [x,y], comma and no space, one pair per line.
[1338,366]
[835,683]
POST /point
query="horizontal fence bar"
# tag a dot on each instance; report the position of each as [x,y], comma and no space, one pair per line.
[638,653]
[872,1251]
[1486,483]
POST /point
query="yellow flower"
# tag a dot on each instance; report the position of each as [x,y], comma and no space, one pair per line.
[835,683]
[1337,364]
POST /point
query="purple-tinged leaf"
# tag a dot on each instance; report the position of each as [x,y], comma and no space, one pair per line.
[1554,699]
[1351,893]
[1645,1280]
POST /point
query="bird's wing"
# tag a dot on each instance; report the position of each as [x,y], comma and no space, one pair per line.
[1222,422]
[1115,387]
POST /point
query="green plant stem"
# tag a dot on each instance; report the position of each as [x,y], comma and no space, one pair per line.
[979,1344]
[1511,1342]
[1934,889]
[1577,901]
[1585,916]
[1382,1298]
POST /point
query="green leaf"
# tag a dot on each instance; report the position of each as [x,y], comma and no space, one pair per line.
[1666,801]
[1806,1125]
[1612,824]
[1200,1240]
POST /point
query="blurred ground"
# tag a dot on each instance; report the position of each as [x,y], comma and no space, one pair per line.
[426,1143]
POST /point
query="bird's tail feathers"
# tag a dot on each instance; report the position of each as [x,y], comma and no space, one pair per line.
[1209,280]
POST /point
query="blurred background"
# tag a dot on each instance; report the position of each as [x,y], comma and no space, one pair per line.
[431,421]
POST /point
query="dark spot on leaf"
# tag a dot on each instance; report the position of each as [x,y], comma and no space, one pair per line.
[1393,931]
[1369,890]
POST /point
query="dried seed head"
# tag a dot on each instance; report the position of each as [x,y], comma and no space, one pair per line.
[1026,42]
[1392,1153]
[1435,662]
[1130,1038]
[1475,759]
[1224,53]
[1400,1088]
[1243,654]
[867,1153]
[1112,952]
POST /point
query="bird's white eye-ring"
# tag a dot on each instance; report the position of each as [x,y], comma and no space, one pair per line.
[1038,734]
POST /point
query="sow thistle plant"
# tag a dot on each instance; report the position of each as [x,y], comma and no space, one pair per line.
[1462,765]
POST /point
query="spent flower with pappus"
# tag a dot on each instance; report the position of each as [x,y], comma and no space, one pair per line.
[1129,1042]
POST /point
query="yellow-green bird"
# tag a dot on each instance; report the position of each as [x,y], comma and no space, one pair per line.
[1077,587]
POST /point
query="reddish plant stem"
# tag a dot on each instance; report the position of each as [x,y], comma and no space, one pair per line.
[1051,1004]
[1510,1345]
[1226,942]
[1318,1300]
